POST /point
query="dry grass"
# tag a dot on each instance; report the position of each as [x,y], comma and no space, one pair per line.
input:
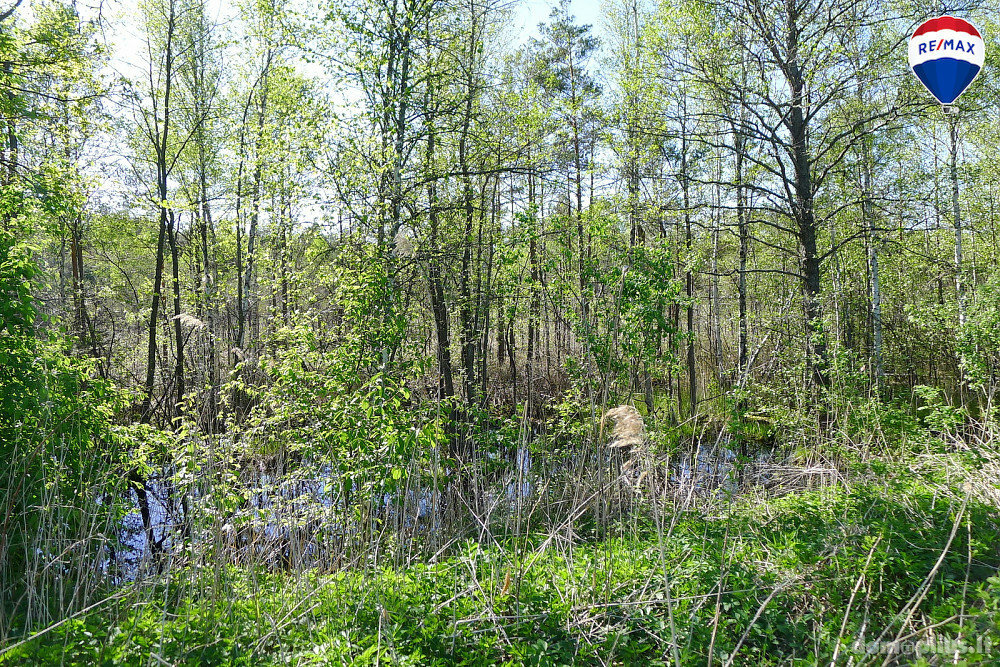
[628,430]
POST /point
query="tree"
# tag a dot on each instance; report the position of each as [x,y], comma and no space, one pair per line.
[201,166]
[54,417]
[800,73]
[562,57]
[154,115]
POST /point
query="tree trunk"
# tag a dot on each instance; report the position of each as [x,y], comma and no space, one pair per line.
[465,278]
[689,273]
[803,209]
[957,216]
[744,234]
[178,326]
[159,135]
[208,280]
[439,307]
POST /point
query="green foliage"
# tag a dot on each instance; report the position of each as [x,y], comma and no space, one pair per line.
[783,588]
[979,339]
[55,429]
[935,412]
[311,404]
[18,342]
[463,199]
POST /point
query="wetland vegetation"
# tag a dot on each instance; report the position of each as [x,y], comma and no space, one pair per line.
[377,332]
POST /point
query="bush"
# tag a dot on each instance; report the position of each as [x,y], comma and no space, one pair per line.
[55,422]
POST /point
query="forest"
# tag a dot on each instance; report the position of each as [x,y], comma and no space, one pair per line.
[434,332]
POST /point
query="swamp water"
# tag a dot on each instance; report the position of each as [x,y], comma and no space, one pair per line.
[300,519]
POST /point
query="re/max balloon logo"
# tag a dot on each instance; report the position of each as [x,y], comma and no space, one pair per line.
[946,54]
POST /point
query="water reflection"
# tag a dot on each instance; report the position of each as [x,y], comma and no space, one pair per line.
[308,516]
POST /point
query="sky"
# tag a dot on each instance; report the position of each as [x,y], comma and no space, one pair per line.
[532,12]
[120,18]
[123,33]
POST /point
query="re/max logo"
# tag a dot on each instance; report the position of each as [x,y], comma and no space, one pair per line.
[950,44]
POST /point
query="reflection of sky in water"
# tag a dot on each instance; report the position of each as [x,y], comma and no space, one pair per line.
[716,468]
[309,508]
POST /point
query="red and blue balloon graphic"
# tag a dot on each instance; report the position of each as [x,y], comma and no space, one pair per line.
[946,54]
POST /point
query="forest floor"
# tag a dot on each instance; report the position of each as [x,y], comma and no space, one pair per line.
[894,564]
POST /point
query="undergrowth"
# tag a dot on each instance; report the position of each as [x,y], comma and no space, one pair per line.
[824,575]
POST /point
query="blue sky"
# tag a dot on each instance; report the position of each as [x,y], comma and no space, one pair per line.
[533,12]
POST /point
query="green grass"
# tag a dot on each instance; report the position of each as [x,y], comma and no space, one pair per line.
[771,578]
